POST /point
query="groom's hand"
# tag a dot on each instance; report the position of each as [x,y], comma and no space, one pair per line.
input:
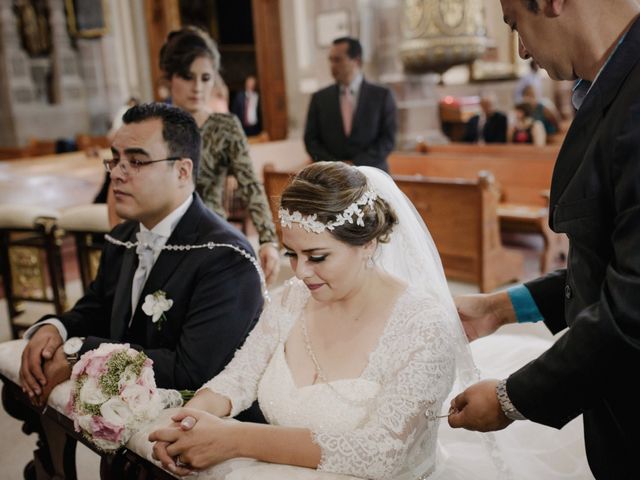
[478,408]
[57,370]
[41,348]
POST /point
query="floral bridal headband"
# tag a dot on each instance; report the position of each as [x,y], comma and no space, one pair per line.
[311,224]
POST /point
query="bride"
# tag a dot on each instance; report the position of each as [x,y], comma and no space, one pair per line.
[352,364]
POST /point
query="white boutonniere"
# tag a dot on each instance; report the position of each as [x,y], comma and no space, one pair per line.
[155,304]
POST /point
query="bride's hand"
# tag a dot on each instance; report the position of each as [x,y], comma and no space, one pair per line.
[208,442]
[481,315]
[159,451]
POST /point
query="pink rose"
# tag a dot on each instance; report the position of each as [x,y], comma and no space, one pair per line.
[80,366]
[97,366]
[100,428]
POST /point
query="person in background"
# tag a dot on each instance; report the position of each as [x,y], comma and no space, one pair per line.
[489,126]
[246,106]
[532,79]
[352,120]
[542,110]
[190,61]
[525,128]
[219,102]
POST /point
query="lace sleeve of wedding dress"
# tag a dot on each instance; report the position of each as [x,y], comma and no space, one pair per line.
[415,366]
[239,380]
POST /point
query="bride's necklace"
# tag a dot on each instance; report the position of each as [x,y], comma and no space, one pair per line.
[320,373]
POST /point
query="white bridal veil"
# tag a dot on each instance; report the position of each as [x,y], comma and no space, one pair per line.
[412,256]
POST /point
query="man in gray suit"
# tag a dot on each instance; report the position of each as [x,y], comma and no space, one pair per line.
[352,120]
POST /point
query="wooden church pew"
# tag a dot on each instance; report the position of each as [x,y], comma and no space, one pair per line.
[523,182]
[461,216]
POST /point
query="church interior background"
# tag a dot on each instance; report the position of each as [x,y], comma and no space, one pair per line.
[67,67]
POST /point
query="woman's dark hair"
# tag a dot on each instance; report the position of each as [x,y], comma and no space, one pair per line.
[326,189]
[525,108]
[183,47]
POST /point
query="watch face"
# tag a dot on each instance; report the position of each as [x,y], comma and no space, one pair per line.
[73,345]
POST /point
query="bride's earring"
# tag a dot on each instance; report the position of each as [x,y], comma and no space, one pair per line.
[369,264]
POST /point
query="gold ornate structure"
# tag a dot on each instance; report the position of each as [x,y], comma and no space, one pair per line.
[439,34]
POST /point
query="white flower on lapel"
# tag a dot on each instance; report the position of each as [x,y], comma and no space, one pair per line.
[155,304]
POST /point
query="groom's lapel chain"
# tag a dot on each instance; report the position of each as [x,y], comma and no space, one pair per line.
[208,245]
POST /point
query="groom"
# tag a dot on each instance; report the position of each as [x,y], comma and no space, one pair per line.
[214,293]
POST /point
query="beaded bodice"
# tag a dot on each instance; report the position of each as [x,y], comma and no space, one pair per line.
[317,406]
[376,427]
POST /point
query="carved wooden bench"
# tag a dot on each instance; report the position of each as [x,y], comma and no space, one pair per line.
[462,218]
[523,182]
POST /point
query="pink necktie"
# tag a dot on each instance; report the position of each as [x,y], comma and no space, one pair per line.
[346,108]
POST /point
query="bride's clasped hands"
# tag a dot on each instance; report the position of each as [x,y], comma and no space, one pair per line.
[196,440]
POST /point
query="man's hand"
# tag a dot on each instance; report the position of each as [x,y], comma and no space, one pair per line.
[478,408]
[481,315]
[41,347]
[57,370]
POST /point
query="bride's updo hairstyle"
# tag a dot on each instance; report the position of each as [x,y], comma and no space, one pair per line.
[327,189]
[183,47]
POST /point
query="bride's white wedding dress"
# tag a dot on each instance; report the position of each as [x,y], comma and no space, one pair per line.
[373,426]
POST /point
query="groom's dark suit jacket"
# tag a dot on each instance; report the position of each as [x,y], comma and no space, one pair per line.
[373,129]
[595,199]
[216,300]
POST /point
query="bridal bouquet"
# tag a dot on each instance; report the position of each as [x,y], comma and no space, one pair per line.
[114,393]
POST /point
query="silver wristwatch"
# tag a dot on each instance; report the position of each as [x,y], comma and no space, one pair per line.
[510,411]
[71,349]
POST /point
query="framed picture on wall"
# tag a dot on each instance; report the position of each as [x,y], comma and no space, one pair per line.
[332,25]
[87,18]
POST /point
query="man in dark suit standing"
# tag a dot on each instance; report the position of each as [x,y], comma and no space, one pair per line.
[352,120]
[246,106]
[591,370]
[490,126]
[215,293]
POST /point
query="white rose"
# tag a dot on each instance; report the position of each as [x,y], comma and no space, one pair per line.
[106,349]
[115,411]
[147,377]
[91,393]
[128,377]
[137,398]
[84,422]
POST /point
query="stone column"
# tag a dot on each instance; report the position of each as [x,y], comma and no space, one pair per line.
[16,86]
[68,87]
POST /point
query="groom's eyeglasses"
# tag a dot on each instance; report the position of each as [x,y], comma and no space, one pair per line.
[132,166]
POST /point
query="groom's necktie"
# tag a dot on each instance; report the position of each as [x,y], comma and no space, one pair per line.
[346,109]
[147,245]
